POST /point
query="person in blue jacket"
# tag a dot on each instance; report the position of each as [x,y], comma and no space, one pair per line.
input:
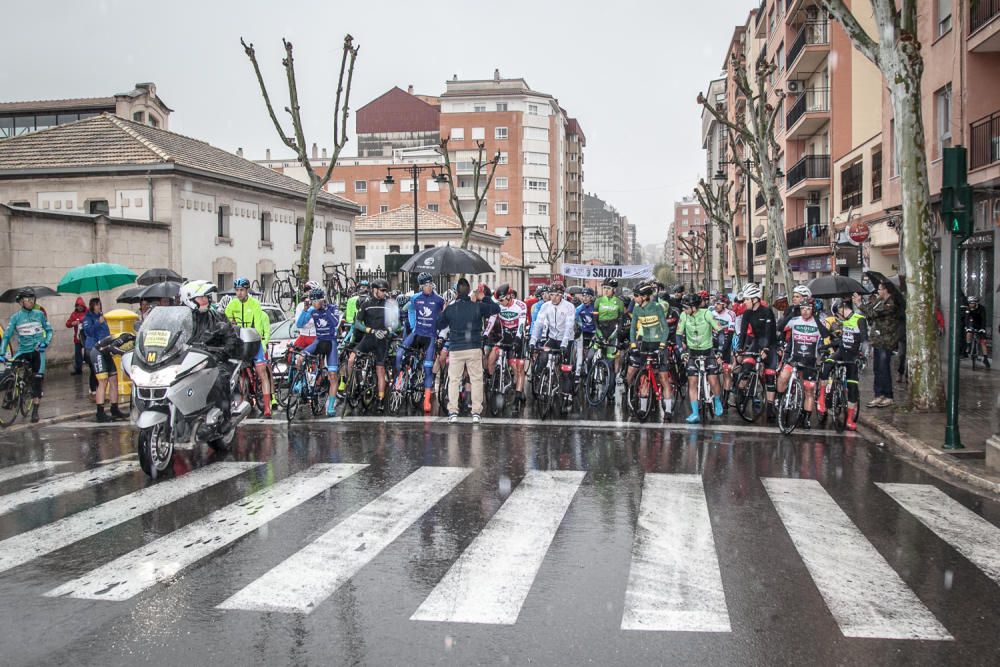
[422,312]
[95,329]
[586,319]
[326,318]
[34,335]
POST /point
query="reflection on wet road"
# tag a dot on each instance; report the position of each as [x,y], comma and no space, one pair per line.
[412,542]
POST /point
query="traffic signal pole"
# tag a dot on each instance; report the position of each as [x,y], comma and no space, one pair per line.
[956,207]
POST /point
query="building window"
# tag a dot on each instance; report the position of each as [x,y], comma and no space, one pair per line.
[851,180]
[433,207]
[364,210]
[501,106]
[877,175]
[329,235]
[500,183]
[500,208]
[383,208]
[98,207]
[223,281]
[265,226]
[536,183]
[361,186]
[223,220]
[894,162]
[500,133]
[337,186]
[942,106]
[540,159]
[139,117]
[478,133]
[503,158]
[394,249]
[536,133]
[943,16]
[153,121]
[359,252]
[300,230]
[572,157]
[406,185]
[458,133]
[533,109]
[479,108]
[431,185]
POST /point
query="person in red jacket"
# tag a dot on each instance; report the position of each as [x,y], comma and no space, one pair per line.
[74,322]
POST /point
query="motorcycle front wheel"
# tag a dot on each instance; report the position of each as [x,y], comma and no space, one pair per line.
[156,451]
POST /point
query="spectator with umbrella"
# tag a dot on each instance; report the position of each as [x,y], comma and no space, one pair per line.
[74,322]
[883,333]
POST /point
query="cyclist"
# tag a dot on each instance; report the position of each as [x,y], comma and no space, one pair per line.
[853,333]
[799,294]
[724,342]
[245,311]
[544,296]
[34,335]
[376,319]
[423,309]
[554,327]
[610,316]
[307,332]
[352,335]
[586,319]
[325,318]
[805,335]
[757,336]
[509,328]
[648,334]
[974,321]
[695,332]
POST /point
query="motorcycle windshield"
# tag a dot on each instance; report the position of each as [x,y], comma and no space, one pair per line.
[164,332]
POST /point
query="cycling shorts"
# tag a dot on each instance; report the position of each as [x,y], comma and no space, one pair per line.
[424,344]
[806,372]
[637,357]
[770,360]
[327,348]
[378,348]
[711,362]
[103,363]
[261,358]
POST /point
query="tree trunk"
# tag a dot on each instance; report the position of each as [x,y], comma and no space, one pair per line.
[736,259]
[923,363]
[307,235]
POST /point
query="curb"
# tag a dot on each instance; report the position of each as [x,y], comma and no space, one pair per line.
[931,456]
[48,421]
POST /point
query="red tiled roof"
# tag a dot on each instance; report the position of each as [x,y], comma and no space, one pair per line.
[573,127]
[402,218]
[397,111]
[78,104]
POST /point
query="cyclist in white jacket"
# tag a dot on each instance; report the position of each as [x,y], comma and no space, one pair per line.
[555,324]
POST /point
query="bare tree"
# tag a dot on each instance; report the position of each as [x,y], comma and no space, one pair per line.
[694,244]
[897,55]
[754,128]
[550,250]
[721,203]
[480,187]
[297,140]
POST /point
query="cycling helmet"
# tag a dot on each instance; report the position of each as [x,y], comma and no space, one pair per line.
[971,299]
[224,301]
[808,302]
[424,278]
[691,300]
[25,293]
[502,291]
[449,296]
[610,282]
[802,291]
[677,289]
[380,283]
[703,294]
[557,287]
[539,291]
[317,293]
[739,295]
[587,291]
[196,288]
[751,291]
[242,282]
[402,300]
[311,285]
[645,289]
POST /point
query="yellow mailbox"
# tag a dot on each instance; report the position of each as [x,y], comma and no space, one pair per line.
[121,321]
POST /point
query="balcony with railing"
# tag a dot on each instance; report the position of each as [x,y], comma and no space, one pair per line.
[810,174]
[760,248]
[759,202]
[760,22]
[982,13]
[809,113]
[984,141]
[810,47]
[808,236]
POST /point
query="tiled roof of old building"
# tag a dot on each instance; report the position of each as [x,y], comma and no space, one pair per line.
[107,141]
[402,219]
[77,104]
[397,111]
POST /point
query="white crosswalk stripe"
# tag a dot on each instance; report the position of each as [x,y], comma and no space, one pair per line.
[491,579]
[29,545]
[674,581]
[160,560]
[66,484]
[24,469]
[865,595]
[310,576]
[970,534]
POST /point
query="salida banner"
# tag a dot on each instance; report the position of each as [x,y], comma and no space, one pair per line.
[599,272]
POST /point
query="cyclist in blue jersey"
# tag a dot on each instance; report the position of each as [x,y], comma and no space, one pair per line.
[34,334]
[326,318]
[586,319]
[423,310]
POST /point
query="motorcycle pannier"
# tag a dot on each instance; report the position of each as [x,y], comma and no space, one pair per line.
[251,344]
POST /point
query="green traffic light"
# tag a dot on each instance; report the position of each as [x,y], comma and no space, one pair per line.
[956,225]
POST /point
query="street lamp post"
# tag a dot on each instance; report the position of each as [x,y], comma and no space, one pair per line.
[414,170]
[524,262]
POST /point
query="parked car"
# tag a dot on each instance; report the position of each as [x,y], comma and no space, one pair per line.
[282,335]
[274,312]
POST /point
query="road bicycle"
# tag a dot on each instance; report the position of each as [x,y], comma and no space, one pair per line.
[600,371]
[749,388]
[704,397]
[500,386]
[408,385]
[836,402]
[285,289]
[250,387]
[792,402]
[973,347]
[644,392]
[308,384]
[555,394]
[15,391]
[338,282]
[362,385]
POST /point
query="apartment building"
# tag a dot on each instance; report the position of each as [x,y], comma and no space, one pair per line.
[692,233]
[603,232]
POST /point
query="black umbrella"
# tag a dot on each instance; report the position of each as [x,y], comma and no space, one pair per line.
[876,279]
[10,296]
[154,276]
[831,286]
[446,259]
[131,295]
[165,290]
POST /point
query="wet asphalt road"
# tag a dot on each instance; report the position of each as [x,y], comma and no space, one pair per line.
[399,557]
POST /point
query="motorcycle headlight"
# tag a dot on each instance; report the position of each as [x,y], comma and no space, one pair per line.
[161,378]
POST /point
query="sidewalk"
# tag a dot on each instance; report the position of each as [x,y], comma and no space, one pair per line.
[922,435]
[66,397]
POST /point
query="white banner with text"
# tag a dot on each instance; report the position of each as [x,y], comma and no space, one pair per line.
[599,271]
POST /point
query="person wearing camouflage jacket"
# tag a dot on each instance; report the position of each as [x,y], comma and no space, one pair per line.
[884,315]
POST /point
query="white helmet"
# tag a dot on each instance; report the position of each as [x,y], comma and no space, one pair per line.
[802,291]
[190,290]
[311,285]
[224,300]
[751,291]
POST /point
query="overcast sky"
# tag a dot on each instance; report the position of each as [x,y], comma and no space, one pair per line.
[629,71]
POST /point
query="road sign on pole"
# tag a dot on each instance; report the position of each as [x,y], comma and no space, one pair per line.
[956,206]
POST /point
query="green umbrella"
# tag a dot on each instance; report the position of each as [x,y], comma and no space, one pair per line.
[96,278]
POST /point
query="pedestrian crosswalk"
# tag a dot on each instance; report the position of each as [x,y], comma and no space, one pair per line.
[675,577]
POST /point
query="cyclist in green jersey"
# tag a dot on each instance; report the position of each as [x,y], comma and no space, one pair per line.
[695,335]
[610,311]
[648,334]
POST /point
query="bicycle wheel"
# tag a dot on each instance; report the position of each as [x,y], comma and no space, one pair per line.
[641,396]
[397,393]
[293,397]
[704,400]
[286,295]
[750,400]
[545,392]
[442,393]
[26,398]
[279,385]
[790,407]
[9,399]
[598,382]
[838,406]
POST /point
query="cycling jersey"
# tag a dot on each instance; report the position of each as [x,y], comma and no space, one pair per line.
[374,314]
[510,321]
[555,322]
[696,330]
[609,309]
[249,314]
[854,332]
[805,337]
[325,321]
[307,330]
[351,309]
[585,315]
[32,329]
[648,321]
[533,316]
[725,318]
[423,311]
[974,318]
[758,325]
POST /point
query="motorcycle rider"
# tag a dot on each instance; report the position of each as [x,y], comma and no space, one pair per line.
[212,330]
